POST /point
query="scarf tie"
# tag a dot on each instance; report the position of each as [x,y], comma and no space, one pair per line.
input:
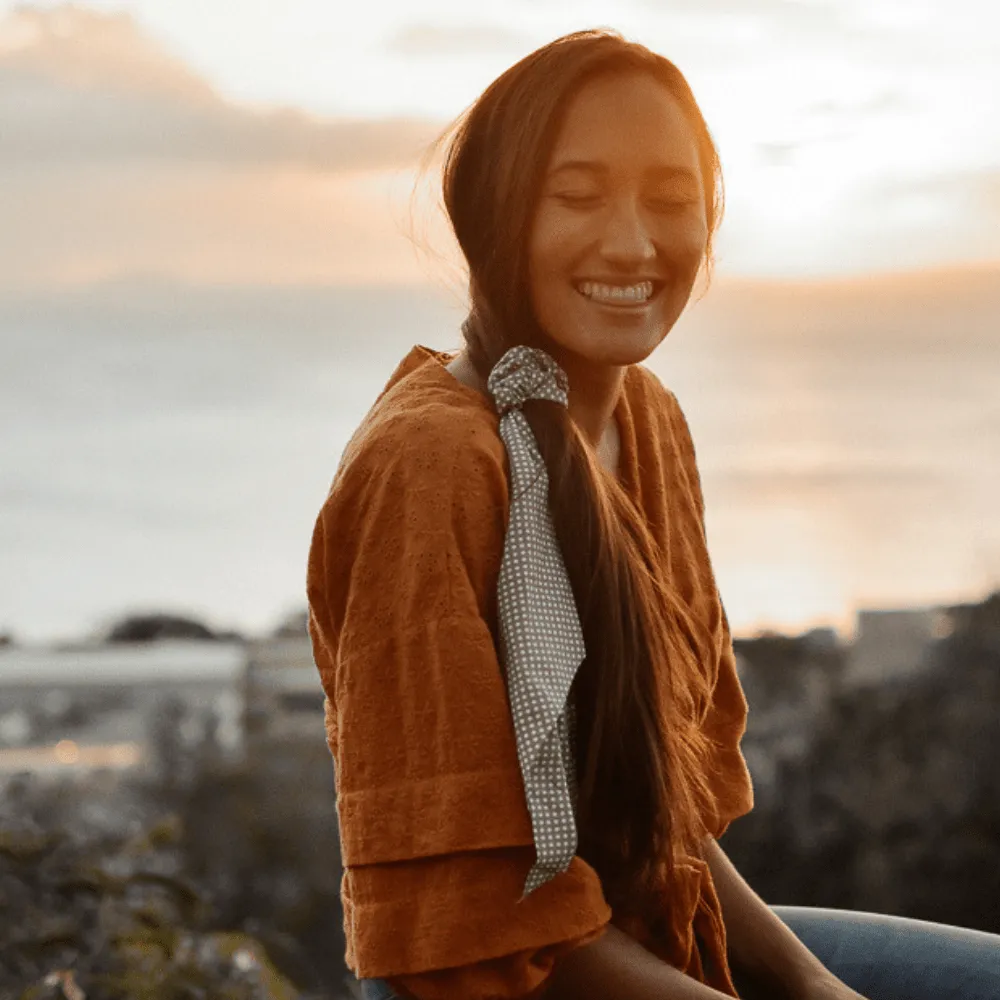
[540,634]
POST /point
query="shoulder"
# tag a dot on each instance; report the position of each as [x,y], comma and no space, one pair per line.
[417,511]
[661,406]
[424,442]
[422,485]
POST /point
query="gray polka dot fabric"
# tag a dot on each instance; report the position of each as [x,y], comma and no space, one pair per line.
[540,634]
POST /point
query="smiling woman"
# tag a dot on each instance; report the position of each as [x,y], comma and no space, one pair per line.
[531,691]
[624,177]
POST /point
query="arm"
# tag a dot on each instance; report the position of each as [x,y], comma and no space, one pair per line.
[434,831]
[764,947]
[616,967]
[760,944]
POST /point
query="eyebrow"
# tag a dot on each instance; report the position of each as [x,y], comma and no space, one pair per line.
[660,173]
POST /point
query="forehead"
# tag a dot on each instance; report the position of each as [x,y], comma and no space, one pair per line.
[626,122]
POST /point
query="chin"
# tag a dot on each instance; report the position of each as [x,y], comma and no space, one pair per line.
[614,347]
[607,339]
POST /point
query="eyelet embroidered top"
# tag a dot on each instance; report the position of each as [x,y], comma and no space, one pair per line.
[436,835]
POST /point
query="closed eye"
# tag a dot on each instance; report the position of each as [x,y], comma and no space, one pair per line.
[593,200]
[666,205]
[579,200]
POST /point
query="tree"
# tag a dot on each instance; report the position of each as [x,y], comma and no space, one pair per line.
[148,627]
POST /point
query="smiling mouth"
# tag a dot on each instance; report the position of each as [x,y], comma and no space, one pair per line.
[638,294]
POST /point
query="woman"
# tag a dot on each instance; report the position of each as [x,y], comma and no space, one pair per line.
[532,701]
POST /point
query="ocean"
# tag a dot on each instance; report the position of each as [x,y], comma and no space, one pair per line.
[168,448]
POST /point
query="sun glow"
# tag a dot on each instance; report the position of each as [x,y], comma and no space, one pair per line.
[66,752]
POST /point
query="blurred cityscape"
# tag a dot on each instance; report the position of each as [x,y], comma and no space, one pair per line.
[167,810]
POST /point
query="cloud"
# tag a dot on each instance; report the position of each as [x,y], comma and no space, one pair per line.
[886,101]
[46,122]
[979,189]
[203,224]
[84,49]
[962,206]
[425,39]
[78,86]
[778,152]
[116,158]
[779,14]
[831,120]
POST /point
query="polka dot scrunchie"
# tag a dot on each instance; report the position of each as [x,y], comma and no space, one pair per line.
[540,634]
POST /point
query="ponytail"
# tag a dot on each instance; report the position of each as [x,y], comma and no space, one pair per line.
[640,754]
[639,758]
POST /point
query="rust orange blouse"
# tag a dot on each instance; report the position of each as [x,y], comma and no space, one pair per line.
[436,839]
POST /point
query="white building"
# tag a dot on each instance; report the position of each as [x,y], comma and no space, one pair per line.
[284,696]
[894,644]
[98,705]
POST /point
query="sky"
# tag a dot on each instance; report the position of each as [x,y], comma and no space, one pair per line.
[240,153]
[278,143]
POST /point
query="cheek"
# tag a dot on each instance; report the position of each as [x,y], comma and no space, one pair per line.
[555,243]
[559,238]
[684,236]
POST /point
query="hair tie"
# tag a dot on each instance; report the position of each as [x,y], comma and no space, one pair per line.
[540,633]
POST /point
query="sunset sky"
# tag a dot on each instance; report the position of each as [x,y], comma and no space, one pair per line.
[276,143]
[186,183]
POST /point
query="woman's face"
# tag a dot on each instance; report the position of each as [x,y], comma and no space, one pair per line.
[620,230]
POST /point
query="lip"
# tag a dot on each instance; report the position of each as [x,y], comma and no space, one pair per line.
[632,279]
[632,307]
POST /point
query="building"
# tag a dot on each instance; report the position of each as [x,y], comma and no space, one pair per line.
[894,644]
[284,697]
[106,705]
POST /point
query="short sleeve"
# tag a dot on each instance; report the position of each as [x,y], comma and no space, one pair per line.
[523,975]
[436,839]
[724,722]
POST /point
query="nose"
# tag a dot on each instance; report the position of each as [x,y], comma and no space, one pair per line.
[626,240]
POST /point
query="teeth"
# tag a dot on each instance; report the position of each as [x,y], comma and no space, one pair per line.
[616,293]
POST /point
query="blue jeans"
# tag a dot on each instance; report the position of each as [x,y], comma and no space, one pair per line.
[883,958]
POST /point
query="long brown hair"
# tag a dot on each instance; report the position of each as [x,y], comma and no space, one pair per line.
[639,755]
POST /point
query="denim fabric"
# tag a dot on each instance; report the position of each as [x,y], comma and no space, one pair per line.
[895,958]
[376,989]
[882,957]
